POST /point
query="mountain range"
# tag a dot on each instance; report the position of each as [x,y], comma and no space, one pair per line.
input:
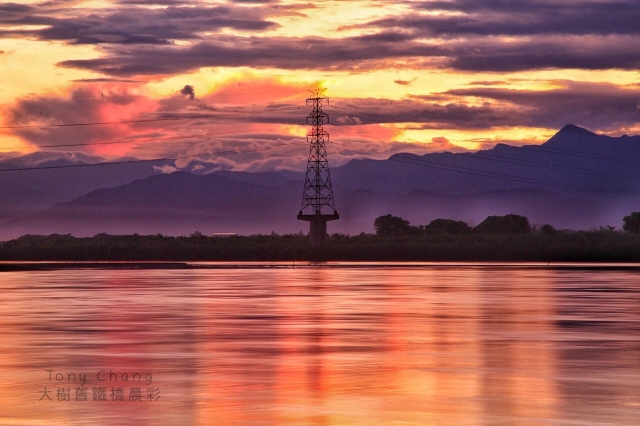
[577,180]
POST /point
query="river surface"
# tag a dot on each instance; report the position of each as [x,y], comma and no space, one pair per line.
[367,345]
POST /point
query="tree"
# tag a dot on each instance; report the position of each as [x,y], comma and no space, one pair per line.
[632,223]
[447,226]
[548,230]
[509,224]
[388,226]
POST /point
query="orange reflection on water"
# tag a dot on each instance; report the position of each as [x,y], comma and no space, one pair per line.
[322,346]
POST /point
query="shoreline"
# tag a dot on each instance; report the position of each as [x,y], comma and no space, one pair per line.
[29,266]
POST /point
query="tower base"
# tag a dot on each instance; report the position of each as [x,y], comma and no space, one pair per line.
[318,226]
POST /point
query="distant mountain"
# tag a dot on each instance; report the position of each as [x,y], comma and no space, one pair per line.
[178,203]
[573,161]
[575,180]
[25,192]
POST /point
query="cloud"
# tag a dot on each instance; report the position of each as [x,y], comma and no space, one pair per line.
[487,83]
[107,80]
[139,38]
[402,82]
[441,144]
[354,53]
[499,36]
[599,106]
[247,88]
[10,12]
[152,2]
[166,169]
[130,23]
[188,91]
[590,53]
[46,158]
[363,53]
[348,120]
[246,136]
[214,128]
[518,18]
[454,113]
[256,1]
[85,104]
[239,112]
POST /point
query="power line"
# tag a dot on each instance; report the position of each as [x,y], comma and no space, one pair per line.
[149,120]
[100,123]
[163,139]
[540,165]
[582,154]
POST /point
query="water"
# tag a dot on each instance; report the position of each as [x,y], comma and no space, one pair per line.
[439,345]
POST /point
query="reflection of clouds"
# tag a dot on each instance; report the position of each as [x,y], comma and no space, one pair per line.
[365,345]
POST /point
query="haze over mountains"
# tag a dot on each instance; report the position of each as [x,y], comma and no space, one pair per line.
[575,180]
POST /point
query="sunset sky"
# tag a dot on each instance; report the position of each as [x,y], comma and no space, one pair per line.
[211,76]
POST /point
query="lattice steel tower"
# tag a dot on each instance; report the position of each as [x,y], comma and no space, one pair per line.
[318,193]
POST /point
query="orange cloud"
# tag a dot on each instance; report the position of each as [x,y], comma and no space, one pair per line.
[247,89]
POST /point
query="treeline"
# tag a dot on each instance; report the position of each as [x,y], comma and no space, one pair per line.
[388,225]
[559,246]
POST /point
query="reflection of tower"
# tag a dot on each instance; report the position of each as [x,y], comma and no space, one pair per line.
[318,192]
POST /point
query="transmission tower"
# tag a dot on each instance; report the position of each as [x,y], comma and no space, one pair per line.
[318,193]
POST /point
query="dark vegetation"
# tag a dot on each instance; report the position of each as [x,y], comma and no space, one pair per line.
[498,238]
[632,223]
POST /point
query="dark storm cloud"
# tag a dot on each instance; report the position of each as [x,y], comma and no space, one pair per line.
[106,80]
[370,52]
[359,53]
[522,17]
[188,91]
[548,35]
[593,105]
[548,53]
[132,25]
[452,114]
[255,1]
[152,2]
[12,11]
[230,51]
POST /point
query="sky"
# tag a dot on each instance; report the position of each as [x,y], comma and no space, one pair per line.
[223,84]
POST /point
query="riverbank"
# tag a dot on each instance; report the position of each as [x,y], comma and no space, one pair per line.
[563,246]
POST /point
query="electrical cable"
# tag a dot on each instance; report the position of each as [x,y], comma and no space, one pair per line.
[163,139]
[150,120]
